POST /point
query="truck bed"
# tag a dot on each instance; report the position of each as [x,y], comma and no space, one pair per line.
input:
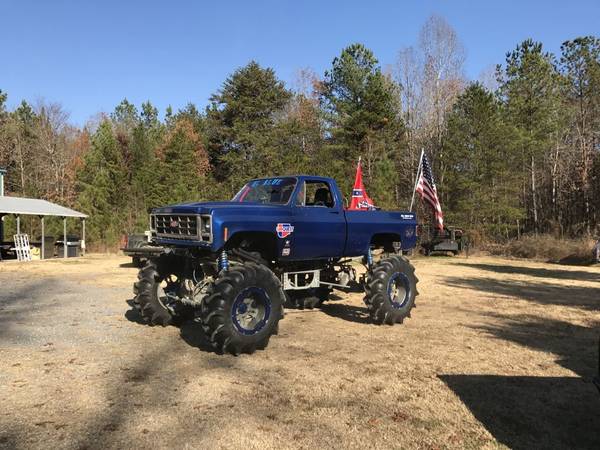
[362,225]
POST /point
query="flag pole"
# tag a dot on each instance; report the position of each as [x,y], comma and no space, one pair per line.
[420,167]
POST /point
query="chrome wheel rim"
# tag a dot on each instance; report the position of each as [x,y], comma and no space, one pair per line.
[398,290]
[251,310]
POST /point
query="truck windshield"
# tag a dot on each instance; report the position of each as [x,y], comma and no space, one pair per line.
[270,190]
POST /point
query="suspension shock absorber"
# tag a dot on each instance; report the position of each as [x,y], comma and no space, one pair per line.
[369,258]
[223,261]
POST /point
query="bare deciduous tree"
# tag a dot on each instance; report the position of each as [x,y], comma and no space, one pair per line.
[431,76]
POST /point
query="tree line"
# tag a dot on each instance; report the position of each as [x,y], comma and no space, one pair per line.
[517,151]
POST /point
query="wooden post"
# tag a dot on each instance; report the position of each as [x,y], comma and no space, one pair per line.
[18,224]
[43,252]
[64,237]
[83,237]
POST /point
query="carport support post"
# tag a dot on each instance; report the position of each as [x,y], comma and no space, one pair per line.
[18,224]
[43,253]
[64,237]
[83,237]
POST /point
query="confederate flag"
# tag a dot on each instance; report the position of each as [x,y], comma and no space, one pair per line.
[360,199]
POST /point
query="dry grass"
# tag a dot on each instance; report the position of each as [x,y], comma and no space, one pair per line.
[498,353]
[546,247]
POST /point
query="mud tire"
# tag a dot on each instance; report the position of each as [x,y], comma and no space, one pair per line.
[147,300]
[389,275]
[250,284]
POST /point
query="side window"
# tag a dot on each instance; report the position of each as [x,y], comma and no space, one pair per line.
[318,193]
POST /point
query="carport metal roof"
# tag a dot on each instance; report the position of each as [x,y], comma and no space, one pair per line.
[35,207]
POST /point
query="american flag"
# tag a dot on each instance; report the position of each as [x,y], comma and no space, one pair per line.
[428,192]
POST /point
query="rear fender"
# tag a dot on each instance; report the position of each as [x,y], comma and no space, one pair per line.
[385,241]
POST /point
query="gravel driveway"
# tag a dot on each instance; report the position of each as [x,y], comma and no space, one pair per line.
[498,353]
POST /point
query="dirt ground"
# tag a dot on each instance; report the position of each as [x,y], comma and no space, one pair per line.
[497,353]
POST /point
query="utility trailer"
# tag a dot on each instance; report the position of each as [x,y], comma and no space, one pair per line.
[450,240]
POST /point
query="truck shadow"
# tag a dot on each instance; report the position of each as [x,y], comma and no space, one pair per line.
[343,311]
[133,315]
[575,346]
[538,272]
[524,412]
[129,265]
[543,293]
[191,332]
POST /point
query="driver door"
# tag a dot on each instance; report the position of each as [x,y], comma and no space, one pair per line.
[319,223]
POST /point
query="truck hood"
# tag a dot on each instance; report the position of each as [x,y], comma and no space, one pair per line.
[208,207]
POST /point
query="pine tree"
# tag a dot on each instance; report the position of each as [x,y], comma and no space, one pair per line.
[580,66]
[183,165]
[240,123]
[101,182]
[362,110]
[146,137]
[531,89]
[480,190]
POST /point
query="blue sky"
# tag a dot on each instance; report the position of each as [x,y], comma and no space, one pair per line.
[90,55]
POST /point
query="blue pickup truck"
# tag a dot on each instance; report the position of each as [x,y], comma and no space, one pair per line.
[232,265]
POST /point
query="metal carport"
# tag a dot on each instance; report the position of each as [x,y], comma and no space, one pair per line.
[18,206]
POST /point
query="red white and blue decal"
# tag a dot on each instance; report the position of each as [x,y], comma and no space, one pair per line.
[284,230]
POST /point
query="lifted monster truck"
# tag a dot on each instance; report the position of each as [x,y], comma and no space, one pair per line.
[232,265]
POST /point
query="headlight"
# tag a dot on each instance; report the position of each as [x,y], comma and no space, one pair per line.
[206,228]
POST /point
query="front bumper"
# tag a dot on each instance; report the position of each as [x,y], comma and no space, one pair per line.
[145,251]
[182,243]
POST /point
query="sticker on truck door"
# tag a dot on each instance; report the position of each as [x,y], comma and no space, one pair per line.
[284,230]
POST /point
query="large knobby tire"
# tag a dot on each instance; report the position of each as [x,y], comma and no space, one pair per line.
[391,288]
[137,261]
[151,292]
[243,309]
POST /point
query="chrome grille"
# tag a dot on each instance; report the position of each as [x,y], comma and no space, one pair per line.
[178,226]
